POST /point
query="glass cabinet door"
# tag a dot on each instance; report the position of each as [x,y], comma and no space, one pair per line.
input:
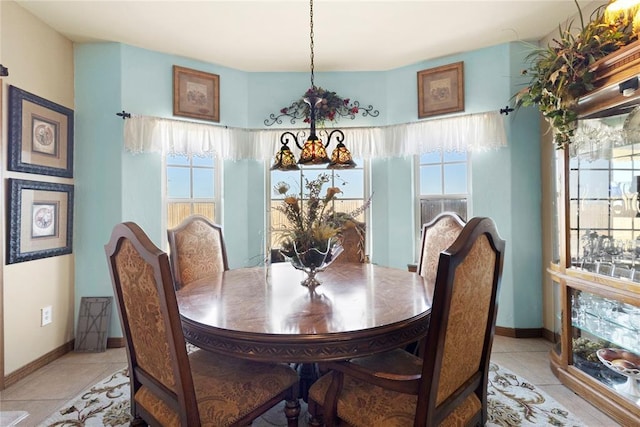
[604,178]
[605,341]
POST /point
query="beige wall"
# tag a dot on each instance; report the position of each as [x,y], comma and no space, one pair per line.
[40,61]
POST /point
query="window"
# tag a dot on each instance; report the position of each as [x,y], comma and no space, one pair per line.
[191,188]
[350,181]
[443,184]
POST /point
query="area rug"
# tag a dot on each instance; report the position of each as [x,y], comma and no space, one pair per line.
[512,401]
[12,418]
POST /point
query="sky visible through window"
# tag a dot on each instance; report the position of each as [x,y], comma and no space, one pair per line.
[179,171]
[350,181]
[190,188]
[443,173]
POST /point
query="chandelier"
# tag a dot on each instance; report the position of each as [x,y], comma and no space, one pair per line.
[314,150]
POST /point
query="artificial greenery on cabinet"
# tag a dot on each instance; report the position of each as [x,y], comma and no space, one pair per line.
[563,71]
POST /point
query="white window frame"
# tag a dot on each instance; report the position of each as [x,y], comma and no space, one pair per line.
[366,168]
[442,196]
[217,190]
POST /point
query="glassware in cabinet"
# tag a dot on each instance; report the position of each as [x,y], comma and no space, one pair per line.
[605,341]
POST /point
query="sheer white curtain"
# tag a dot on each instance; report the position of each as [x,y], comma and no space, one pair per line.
[472,132]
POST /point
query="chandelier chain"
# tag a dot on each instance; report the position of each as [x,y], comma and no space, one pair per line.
[313,151]
[311,38]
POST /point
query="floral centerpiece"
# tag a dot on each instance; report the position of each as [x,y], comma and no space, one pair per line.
[330,107]
[561,72]
[313,234]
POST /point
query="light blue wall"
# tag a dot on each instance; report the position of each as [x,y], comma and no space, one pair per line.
[141,83]
[487,78]
[98,167]
[392,212]
[526,206]
[244,212]
[272,91]
[147,85]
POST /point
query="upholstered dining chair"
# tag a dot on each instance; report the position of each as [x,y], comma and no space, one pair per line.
[448,384]
[196,250]
[437,235]
[170,387]
[352,238]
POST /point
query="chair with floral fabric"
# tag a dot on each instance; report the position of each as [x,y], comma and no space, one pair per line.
[196,250]
[352,238]
[437,235]
[448,384]
[170,387]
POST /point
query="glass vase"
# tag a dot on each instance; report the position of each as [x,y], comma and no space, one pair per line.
[313,261]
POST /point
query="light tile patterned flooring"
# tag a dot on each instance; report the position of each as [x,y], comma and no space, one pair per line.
[48,389]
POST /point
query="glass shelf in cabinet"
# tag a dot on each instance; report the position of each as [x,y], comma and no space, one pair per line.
[607,319]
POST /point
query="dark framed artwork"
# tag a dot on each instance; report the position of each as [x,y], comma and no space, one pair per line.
[441,90]
[40,135]
[40,220]
[196,94]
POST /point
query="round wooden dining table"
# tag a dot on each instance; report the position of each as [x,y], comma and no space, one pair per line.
[265,314]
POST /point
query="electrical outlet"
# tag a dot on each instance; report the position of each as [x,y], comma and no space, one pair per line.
[46,315]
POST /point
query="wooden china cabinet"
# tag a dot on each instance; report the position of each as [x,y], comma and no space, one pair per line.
[596,277]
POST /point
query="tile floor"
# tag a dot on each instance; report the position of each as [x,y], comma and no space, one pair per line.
[52,386]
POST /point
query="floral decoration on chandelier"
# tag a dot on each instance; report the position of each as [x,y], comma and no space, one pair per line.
[330,108]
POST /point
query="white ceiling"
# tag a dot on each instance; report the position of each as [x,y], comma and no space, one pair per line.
[267,35]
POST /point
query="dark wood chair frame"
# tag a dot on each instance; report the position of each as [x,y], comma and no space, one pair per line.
[416,348]
[426,384]
[183,401]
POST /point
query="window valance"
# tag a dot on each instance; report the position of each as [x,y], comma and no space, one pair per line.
[472,132]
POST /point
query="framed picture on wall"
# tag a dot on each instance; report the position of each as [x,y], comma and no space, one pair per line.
[196,94]
[441,90]
[40,135]
[40,220]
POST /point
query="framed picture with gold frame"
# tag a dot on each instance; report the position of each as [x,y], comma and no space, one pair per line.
[40,135]
[196,94]
[441,90]
[40,220]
